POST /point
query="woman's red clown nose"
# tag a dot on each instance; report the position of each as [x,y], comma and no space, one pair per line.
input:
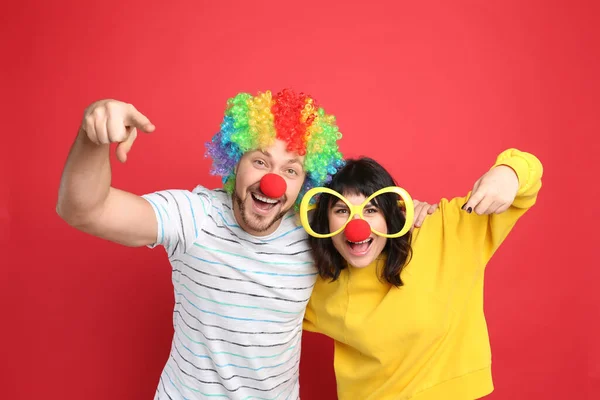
[357,230]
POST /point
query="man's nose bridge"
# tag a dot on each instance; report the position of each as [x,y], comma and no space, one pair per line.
[270,171]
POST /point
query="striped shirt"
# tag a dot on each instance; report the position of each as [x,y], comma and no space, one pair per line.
[239,300]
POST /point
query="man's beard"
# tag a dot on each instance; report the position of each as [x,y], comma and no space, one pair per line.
[259,223]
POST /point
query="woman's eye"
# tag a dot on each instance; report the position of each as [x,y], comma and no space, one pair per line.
[370,211]
[341,211]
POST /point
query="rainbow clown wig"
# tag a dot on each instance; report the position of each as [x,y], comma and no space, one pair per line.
[254,122]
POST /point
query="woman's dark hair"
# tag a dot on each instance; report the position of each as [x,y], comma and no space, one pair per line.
[361,176]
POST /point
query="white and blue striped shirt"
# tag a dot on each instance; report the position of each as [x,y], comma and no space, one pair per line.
[239,300]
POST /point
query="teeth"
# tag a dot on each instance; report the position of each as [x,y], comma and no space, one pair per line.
[265,199]
[364,241]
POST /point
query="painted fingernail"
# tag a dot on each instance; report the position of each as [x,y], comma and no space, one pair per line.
[463,206]
[469,210]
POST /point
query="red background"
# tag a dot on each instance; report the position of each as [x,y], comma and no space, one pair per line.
[434,91]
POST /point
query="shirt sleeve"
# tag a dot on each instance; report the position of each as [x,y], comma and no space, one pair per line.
[180,215]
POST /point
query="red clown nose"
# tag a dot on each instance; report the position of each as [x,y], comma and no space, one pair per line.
[357,230]
[273,186]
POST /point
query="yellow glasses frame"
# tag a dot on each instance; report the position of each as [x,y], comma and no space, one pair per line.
[406,201]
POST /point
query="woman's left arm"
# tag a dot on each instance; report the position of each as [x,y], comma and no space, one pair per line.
[514,181]
[503,195]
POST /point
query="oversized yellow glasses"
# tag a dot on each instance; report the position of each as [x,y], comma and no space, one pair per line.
[406,202]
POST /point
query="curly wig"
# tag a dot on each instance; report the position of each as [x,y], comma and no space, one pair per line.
[255,122]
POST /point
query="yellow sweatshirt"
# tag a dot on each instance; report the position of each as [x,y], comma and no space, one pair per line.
[428,339]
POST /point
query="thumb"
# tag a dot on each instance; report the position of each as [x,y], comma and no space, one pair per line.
[124,147]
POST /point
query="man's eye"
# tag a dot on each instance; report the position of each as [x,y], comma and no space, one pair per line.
[292,171]
[259,162]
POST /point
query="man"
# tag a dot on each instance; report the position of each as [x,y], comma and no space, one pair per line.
[242,268]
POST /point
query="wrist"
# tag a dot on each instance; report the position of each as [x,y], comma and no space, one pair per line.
[518,165]
[83,140]
[508,169]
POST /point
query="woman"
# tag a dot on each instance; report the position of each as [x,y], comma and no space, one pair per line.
[406,312]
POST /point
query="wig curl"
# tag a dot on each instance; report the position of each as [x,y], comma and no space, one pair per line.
[255,122]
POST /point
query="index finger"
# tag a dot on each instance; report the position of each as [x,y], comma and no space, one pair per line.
[420,216]
[476,196]
[136,119]
[432,208]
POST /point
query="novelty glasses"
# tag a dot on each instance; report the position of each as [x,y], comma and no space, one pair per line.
[404,200]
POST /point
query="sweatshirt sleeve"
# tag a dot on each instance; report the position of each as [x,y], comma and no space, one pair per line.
[483,234]
[529,171]
[310,318]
